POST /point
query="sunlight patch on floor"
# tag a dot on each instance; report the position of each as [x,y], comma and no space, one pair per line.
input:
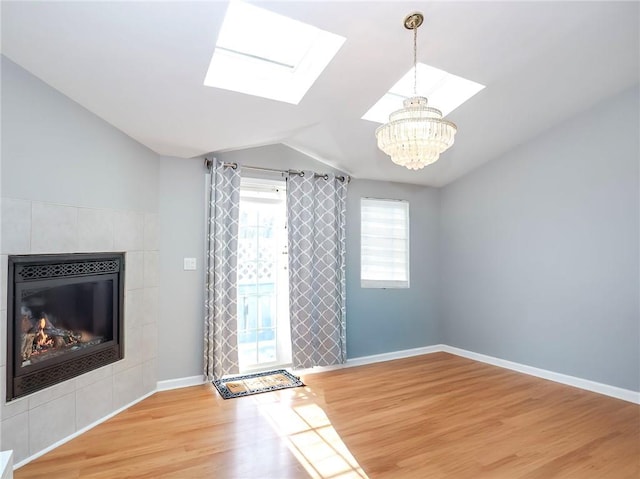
[312,440]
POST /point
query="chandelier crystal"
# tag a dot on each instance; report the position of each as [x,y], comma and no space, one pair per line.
[416,135]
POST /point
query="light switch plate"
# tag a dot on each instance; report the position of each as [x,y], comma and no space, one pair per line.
[189,264]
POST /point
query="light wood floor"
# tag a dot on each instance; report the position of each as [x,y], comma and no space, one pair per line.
[432,416]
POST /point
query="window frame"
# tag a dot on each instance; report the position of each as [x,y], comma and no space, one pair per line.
[387,283]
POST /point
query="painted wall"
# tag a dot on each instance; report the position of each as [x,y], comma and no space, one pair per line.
[539,250]
[181,210]
[69,156]
[378,321]
[278,156]
[387,320]
[181,223]
[73,183]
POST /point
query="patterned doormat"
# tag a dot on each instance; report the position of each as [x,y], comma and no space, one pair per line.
[240,386]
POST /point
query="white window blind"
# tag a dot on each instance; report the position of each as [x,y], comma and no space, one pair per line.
[384,243]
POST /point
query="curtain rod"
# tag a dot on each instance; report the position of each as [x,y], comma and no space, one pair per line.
[208,163]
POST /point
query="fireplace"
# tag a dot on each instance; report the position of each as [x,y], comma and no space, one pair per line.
[64,317]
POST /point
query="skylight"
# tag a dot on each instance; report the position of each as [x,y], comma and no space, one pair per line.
[445,91]
[265,54]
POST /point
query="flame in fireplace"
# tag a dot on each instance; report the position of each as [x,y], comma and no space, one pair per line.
[42,338]
[47,338]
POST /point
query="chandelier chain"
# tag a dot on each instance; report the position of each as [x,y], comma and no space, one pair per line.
[415,61]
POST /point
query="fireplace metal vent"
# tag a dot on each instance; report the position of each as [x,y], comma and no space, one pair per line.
[59,270]
[33,382]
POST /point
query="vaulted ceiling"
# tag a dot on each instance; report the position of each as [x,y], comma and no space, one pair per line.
[141,65]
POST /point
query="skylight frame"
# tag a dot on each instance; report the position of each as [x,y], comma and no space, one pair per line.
[243,61]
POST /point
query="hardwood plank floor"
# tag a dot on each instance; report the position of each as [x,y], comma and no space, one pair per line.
[432,416]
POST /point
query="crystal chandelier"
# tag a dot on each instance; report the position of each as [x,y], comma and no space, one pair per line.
[415,136]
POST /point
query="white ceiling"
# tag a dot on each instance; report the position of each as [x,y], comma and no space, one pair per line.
[141,67]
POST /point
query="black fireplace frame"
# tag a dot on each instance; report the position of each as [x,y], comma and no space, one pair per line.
[30,268]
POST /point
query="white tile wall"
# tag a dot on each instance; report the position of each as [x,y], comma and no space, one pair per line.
[133,309]
[74,404]
[129,231]
[151,305]
[3,280]
[94,402]
[16,230]
[3,335]
[54,228]
[15,407]
[94,376]
[127,386]
[15,435]
[149,341]
[151,266]
[149,375]
[134,270]
[54,392]
[132,349]
[51,422]
[151,242]
[95,230]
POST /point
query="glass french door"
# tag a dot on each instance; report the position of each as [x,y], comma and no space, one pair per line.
[264,338]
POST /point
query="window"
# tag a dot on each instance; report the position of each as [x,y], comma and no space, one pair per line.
[265,54]
[384,243]
[445,91]
[263,281]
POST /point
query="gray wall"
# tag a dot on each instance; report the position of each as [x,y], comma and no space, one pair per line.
[387,320]
[181,216]
[73,183]
[539,250]
[378,321]
[181,220]
[69,156]
[277,156]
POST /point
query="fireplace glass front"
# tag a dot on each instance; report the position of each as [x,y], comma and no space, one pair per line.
[64,317]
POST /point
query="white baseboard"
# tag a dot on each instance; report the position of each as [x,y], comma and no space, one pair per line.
[376,358]
[405,353]
[80,431]
[178,383]
[606,389]
[166,385]
[586,384]
[600,388]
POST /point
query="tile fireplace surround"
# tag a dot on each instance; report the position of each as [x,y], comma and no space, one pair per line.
[31,227]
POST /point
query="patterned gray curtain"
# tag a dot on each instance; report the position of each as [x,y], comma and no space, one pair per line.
[220,326]
[316,221]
